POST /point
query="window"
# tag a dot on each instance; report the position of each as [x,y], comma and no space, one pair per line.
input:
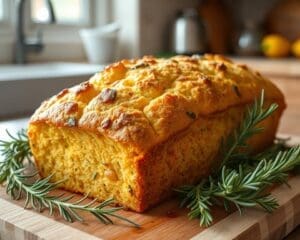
[67,12]
[1,9]
[4,10]
[5,15]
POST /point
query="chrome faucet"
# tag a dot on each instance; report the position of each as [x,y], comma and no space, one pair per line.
[22,44]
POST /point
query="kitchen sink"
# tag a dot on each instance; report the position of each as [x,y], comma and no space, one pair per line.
[24,87]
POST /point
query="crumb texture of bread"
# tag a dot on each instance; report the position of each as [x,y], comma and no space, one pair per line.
[142,127]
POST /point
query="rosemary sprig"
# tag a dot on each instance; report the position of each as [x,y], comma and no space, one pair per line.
[18,149]
[236,144]
[38,192]
[243,187]
[242,179]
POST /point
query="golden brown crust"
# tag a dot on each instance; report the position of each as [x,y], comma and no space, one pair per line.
[143,102]
[142,127]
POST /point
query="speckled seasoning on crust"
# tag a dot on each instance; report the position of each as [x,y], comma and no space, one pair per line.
[142,127]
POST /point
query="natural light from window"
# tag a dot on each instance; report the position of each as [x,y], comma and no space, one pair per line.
[66,11]
[1,9]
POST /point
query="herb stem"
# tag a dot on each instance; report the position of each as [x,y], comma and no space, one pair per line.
[238,139]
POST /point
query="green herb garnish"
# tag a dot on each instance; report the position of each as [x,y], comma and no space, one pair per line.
[242,179]
[37,193]
[236,147]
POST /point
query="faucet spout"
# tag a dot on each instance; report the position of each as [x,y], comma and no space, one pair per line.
[51,12]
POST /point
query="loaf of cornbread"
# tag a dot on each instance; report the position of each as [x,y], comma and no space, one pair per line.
[142,127]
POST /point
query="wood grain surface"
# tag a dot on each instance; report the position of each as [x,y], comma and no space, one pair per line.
[166,221]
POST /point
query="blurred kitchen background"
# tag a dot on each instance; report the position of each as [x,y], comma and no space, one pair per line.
[47,45]
[234,27]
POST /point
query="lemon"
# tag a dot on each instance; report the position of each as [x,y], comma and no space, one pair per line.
[275,45]
[296,48]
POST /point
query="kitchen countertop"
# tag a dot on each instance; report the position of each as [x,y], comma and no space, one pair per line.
[278,67]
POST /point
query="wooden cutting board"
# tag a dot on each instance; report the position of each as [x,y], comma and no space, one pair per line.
[166,221]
